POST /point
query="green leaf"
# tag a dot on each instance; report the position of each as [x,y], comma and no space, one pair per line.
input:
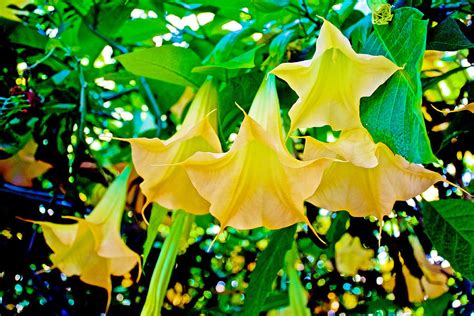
[437,306]
[27,36]
[430,82]
[447,36]
[167,93]
[449,225]
[158,214]
[269,262]
[321,7]
[335,232]
[82,6]
[166,63]
[359,32]
[382,305]
[240,90]
[276,301]
[393,113]
[137,30]
[228,4]
[226,46]
[244,61]
[59,77]
[270,5]
[59,108]
[339,16]
[279,45]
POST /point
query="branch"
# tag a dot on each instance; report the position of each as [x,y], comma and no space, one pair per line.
[42,60]
[306,12]
[154,107]
[82,104]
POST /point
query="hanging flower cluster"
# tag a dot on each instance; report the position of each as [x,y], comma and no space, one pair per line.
[258,182]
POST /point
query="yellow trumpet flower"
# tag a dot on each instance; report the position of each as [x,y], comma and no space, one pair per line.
[257,182]
[331,84]
[92,248]
[351,256]
[432,284]
[156,161]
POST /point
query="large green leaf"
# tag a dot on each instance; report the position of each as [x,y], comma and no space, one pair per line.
[447,36]
[437,306]
[393,113]
[269,262]
[449,225]
[137,30]
[28,36]
[335,232]
[240,90]
[166,63]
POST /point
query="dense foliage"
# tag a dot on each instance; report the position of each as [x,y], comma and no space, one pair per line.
[82,80]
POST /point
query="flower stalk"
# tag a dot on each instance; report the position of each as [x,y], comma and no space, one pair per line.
[160,279]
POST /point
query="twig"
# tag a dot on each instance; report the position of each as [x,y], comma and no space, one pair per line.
[155,109]
[82,103]
[42,60]
[306,12]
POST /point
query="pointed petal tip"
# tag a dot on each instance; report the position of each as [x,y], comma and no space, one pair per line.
[241,109]
[307,222]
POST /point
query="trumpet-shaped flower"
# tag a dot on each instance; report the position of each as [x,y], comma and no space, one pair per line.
[92,248]
[156,161]
[257,183]
[351,256]
[361,183]
[330,85]
[21,168]
[432,284]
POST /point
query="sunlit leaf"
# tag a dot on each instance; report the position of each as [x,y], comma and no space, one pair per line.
[393,113]
[166,63]
[446,226]
[10,13]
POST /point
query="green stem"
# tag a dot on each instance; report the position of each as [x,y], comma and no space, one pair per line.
[166,261]
[43,59]
[82,104]
[154,107]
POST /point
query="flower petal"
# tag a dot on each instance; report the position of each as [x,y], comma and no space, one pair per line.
[372,191]
[354,145]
